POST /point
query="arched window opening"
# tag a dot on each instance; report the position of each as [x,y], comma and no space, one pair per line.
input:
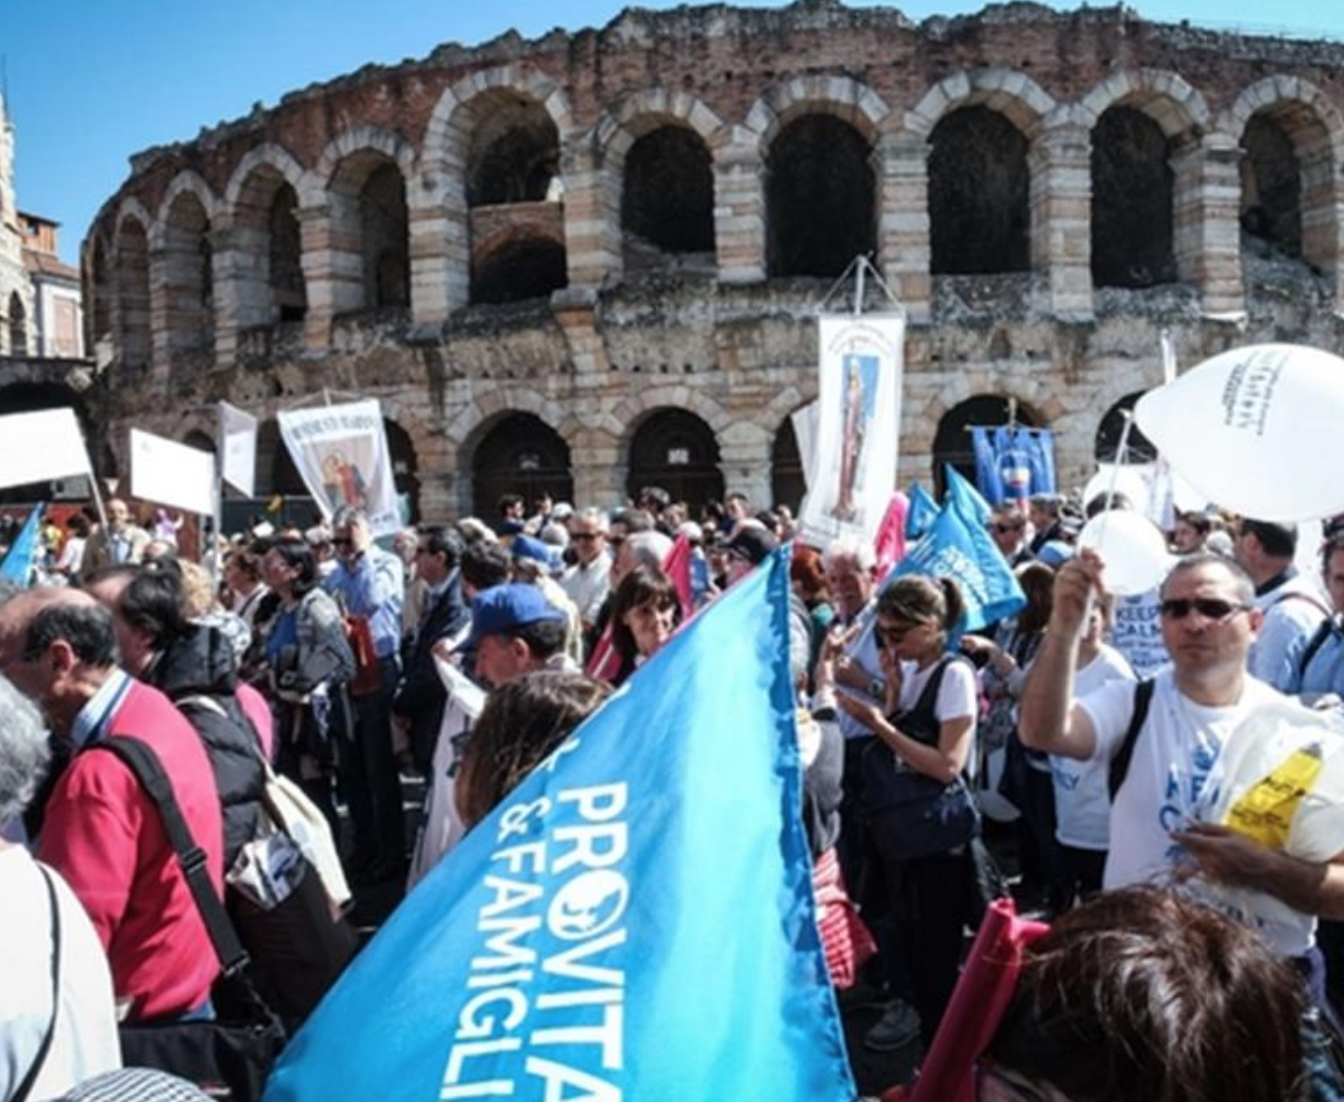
[266,232]
[520,454]
[18,326]
[787,481]
[675,449]
[819,195]
[188,279]
[100,316]
[384,237]
[515,152]
[132,278]
[285,255]
[952,441]
[1138,448]
[667,205]
[979,188]
[1271,186]
[401,450]
[519,270]
[1132,201]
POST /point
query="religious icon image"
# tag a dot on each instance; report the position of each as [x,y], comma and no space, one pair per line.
[859,382]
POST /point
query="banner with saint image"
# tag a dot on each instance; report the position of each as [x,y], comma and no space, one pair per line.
[342,456]
[853,468]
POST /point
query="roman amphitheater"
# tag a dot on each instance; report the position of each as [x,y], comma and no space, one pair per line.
[594,259]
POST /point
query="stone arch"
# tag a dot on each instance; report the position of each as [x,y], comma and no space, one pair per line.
[98,274]
[516,451]
[669,136]
[1011,93]
[265,238]
[634,408]
[319,181]
[843,97]
[1311,131]
[131,296]
[463,431]
[672,447]
[443,221]
[1165,97]
[186,181]
[1138,448]
[182,257]
[517,263]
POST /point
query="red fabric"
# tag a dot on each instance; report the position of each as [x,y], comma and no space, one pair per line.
[256,709]
[847,943]
[105,836]
[890,542]
[677,566]
[978,1004]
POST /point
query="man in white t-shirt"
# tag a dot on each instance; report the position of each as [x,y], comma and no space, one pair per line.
[1209,622]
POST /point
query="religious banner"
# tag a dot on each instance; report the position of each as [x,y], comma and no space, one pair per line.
[1012,462]
[862,358]
[238,447]
[342,456]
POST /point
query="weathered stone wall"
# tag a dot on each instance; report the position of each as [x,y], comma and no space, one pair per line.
[512,157]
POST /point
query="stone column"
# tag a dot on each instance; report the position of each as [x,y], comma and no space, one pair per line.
[1207,221]
[744,459]
[592,220]
[241,286]
[333,269]
[439,247]
[599,475]
[903,224]
[739,208]
[160,311]
[1060,163]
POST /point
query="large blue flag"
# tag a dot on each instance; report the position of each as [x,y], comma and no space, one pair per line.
[965,498]
[634,923]
[1012,463]
[23,552]
[922,512]
[961,548]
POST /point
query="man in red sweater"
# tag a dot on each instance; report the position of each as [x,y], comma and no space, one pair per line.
[100,830]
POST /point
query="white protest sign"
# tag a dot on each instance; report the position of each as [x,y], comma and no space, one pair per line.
[170,473]
[238,448]
[40,446]
[1253,429]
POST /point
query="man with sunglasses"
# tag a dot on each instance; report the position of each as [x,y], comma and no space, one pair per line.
[1209,622]
[588,581]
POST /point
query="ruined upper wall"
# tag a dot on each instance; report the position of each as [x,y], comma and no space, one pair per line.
[729,57]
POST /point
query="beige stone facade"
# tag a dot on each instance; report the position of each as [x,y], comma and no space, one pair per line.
[595,258]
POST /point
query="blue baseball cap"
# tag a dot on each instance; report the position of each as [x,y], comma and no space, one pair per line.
[502,608]
[529,547]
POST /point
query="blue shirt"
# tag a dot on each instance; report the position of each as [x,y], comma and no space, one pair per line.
[1325,671]
[373,586]
[92,718]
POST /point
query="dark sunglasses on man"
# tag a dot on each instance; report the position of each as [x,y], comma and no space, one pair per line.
[1211,608]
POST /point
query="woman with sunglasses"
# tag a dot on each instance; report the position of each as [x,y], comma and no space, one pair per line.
[929,728]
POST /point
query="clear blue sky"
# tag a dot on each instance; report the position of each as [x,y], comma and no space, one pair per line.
[92,81]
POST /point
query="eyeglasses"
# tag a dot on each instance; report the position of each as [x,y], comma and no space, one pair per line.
[1211,608]
[342,541]
[586,537]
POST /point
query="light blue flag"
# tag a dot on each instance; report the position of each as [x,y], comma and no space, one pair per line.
[23,552]
[965,498]
[634,923]
[921,513]
[959,548]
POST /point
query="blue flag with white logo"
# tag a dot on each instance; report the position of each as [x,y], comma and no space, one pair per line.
[23,552]
[921,513]
[1012,463]
[961,548]
[635,922]
[965,498]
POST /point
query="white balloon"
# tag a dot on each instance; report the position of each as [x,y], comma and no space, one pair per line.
[1130,480]
[1253,429]
[1132,548]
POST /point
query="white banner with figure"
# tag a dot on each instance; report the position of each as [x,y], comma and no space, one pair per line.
[40,446]
[173,474]
[853,469]
[342,455]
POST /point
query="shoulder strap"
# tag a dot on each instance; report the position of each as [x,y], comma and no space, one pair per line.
[1317,641]
[1299,595]
[26,1087]
[1143,697]
[148,770]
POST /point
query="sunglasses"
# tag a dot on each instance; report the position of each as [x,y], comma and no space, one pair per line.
[342,541]
[1211,608]
[586,537]
[889,636]
[1004,529]
[615,541]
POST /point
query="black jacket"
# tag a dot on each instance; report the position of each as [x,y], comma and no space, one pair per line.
[196,671]
[420,695]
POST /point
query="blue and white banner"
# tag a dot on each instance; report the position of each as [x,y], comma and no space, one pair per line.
[1012,463]
[960,547]
[923,511]
[634,923]
[18,564]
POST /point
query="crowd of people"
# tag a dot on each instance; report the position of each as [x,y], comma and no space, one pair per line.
[1075,738]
